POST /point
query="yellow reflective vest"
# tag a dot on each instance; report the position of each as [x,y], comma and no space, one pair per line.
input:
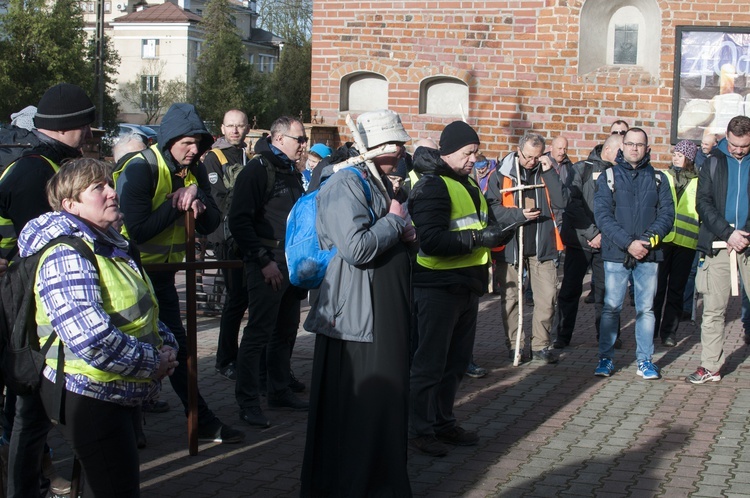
[129,301]
[686,225]
[169,245]
[464,216]
[8,235]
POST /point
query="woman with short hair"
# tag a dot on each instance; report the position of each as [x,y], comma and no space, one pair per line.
[116,351]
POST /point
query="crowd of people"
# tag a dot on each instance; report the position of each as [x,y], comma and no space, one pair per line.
[420,238]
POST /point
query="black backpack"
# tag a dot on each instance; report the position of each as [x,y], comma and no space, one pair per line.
[22,357]
[14,143]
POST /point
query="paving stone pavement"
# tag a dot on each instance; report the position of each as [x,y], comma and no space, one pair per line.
[546,430]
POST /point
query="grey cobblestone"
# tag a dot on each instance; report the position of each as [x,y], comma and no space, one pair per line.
[546,430]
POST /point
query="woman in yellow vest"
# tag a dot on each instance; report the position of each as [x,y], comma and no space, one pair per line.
[679,245]
[116,351]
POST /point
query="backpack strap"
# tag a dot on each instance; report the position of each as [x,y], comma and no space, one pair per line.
[368,191]
[588,167]
[713,161]
[150,156]
[270,177]
[220,155]
[610,178]
[84,250]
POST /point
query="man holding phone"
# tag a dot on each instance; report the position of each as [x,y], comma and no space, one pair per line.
[527,186]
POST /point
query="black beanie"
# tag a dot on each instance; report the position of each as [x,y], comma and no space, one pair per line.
[455,136]
[64,107]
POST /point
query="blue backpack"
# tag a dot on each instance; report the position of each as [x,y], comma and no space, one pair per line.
[306,260]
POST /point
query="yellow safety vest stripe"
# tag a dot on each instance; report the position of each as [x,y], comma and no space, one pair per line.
[8,235]
[686,222]
[129,300]
[464,216]
[169,245]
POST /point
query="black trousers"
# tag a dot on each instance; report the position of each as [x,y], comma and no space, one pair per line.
[575,266]
[102,436]
[272,323]
[231,316]
[674,272]
[447,326]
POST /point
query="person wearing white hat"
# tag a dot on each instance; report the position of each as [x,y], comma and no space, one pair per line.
[357,427]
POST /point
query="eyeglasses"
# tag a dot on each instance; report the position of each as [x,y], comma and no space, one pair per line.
[525,158]
[300,140]
[634,145]
[620,132]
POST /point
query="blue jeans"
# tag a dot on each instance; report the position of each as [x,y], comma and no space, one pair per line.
[645,278]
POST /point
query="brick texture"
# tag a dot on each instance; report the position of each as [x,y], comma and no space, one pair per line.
[519,58]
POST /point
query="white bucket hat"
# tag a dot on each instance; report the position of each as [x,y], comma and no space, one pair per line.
[379,127]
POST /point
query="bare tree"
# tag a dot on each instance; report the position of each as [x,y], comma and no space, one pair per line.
[149,93]
[289,19]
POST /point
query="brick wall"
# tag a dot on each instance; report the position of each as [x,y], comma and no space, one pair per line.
[519,58]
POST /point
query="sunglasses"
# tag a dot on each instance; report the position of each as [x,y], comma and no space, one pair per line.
[300,140]
[619,132]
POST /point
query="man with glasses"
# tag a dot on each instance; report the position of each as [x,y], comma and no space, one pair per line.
[258,223]
[618,127]
[722,204]
[634,212]
[541,239]
[223,162]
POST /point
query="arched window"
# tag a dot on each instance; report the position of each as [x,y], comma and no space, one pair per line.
[363,92]
[619,33]
[443,96]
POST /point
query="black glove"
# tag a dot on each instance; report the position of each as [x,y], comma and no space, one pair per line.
[652,239]
[630,261]
[492,236]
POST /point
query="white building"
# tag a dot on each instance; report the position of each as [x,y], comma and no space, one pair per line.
[162,41]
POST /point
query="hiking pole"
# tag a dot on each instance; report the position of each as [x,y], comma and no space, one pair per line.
[519,332]
[370,165]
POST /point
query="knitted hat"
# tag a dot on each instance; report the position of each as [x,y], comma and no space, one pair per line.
[380,127]
[456,136]
[24,118]
[64,107]
[687,148]
[322,150]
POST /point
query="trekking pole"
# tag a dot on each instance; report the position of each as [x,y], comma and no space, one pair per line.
[519,332]
[370,165]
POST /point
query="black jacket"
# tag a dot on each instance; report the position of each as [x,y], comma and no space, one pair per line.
[430,209]
[22,189]
[540,235]
[15,141]
[259,226]
[579,225]
[711,201]
[136,182]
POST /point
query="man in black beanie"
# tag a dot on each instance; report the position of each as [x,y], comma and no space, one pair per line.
[63,118]
[456,230]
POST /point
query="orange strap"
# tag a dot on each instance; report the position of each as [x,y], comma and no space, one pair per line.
[510,202]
